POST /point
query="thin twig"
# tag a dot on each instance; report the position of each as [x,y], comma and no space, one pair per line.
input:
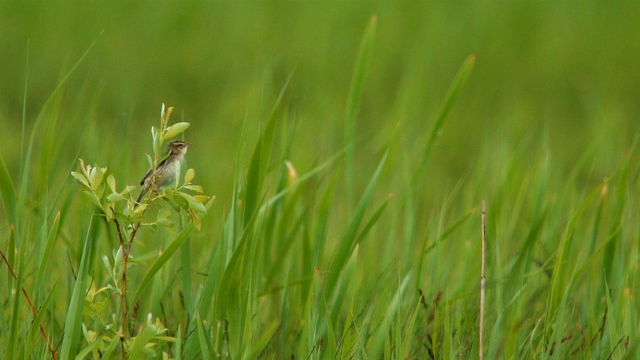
[33,308]
[123,292]
[126,250]
[119,230]
[483,279]
[136,227]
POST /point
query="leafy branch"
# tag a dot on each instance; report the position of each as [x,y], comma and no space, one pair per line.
[127,215]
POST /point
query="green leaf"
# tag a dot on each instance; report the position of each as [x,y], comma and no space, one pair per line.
[194,188]
[85,169]
[92,196]
[154,134]
[193,203]
[149,161]
[176,200]
[111,181]
[202,198]
[195,219]
[95,177]
[164,222]
[139,209]
[165,115]
[115,197]
[175,129]
[189,175]
[80,178]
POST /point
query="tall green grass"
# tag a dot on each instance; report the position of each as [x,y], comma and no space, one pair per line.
[363,242]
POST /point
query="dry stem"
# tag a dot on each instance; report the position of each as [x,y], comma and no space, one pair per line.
[483,279]
[33,308]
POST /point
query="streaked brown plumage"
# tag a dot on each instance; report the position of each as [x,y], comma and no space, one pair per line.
[168,169]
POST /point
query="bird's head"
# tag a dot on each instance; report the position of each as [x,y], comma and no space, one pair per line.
[178,147]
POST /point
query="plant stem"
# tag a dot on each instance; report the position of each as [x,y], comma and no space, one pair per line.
[123,290]
[483,279]
[34,310]
[126,250]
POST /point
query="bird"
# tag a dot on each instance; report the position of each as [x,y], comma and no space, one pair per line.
[167,171]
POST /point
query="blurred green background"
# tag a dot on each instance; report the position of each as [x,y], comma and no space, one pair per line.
[552,103]
[561,69]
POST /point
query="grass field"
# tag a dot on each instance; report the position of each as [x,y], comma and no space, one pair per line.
[344,149]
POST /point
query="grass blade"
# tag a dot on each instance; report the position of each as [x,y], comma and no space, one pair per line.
[260,160]
[46,254]
[178,347]
[353,101]
[162,259]
[308,175]
[26,165]
[347,241]
[8,193]
[452,94]
[259,344]
[185,261]
[392,309]
[11,351]
[203,339]
[73,320]
[559,289]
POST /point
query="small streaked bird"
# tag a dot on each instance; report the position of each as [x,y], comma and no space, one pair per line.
[167,171]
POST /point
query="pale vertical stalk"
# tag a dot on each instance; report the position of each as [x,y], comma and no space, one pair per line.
[483,279]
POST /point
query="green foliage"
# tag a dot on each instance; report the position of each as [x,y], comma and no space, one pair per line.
[104,330]
[349,146]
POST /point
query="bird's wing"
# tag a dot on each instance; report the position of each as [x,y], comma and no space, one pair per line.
[145,177]
[151,170]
